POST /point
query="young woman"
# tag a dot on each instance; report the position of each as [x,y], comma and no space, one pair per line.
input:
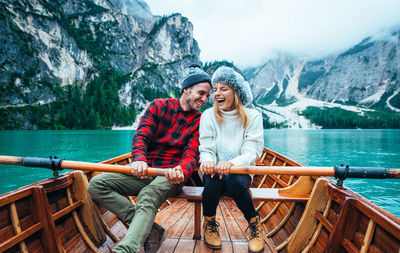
[230,134]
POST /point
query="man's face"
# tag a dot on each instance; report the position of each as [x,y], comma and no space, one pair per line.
[196,96]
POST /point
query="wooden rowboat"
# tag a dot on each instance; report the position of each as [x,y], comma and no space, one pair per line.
[299,214]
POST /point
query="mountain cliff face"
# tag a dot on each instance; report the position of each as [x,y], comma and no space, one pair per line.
[78,64]
[64,61]
[365,76]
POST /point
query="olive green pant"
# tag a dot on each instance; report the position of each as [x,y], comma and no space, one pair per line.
[110,189]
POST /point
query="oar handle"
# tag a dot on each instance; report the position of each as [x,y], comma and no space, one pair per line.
[283,170]
[59,164]
[12,160]
[108,168]
[393,173]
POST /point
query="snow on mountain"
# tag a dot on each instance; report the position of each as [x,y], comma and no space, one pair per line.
[363,78]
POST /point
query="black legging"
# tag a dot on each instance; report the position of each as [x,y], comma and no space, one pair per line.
[237,187]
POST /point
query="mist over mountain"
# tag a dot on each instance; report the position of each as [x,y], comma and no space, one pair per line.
[80,64]
[362,78]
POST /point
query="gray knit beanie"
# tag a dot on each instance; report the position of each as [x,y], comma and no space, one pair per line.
[236,81]
[194,75]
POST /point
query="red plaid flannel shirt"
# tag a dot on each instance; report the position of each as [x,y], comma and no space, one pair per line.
[167,136]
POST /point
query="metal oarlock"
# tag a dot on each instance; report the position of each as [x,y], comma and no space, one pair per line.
[50,163]
[343,172]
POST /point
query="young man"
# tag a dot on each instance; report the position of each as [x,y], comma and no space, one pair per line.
[167,137]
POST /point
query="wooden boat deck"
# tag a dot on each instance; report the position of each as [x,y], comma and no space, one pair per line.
[178,221]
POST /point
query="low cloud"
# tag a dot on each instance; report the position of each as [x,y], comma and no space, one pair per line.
[249,32]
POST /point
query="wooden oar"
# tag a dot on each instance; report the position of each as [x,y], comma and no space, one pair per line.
[339,172]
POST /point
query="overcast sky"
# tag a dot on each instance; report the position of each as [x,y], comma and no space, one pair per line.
[248,32]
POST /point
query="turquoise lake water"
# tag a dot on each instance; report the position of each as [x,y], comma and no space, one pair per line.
[309,147]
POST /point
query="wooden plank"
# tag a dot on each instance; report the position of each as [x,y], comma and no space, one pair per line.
[80,226]
[273,194]
[109,218]
[195,193]
[265,176]
[281,157]
[168,245]
[166,214]
[75,244]
[283,221]
[270,213]
[169,223]
[324,221]
[189,230]
[16,226]
[243,247]
[243,224]
[262,158]
[268,246]
[226,247]
[233,228]
[67,210]
[298,242]
[119,229]
[6,232]
[62,182]
[106,228]
[237,215]
[345,228]
[271,216]
[368,237]
[349,246]
[197,221]
[386,220]
[181,223]
[42,213]
[107,245]
[88,211]
[13,196]
[240,247]
[20,237]
[201,247]
[185,245]
[223,230]
[190,192]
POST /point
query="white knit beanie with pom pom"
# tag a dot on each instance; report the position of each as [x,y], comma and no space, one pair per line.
[228,76]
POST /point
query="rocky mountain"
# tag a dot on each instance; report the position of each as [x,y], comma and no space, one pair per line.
[87,63]
[363,78]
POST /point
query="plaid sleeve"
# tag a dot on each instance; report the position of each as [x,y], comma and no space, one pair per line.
[144,133]
[190,156]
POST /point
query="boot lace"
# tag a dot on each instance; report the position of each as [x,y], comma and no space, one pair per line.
[254,232]
[213,226]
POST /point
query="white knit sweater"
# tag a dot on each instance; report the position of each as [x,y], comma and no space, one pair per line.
[229,141]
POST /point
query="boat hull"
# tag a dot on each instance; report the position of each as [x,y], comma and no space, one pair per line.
[58,215]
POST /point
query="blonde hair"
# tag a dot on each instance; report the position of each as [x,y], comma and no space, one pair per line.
[242,116]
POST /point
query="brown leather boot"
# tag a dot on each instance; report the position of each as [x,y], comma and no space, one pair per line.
[154,240]
[211,233]
[256,241]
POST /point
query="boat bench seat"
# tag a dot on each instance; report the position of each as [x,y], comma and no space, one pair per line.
[194,194]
